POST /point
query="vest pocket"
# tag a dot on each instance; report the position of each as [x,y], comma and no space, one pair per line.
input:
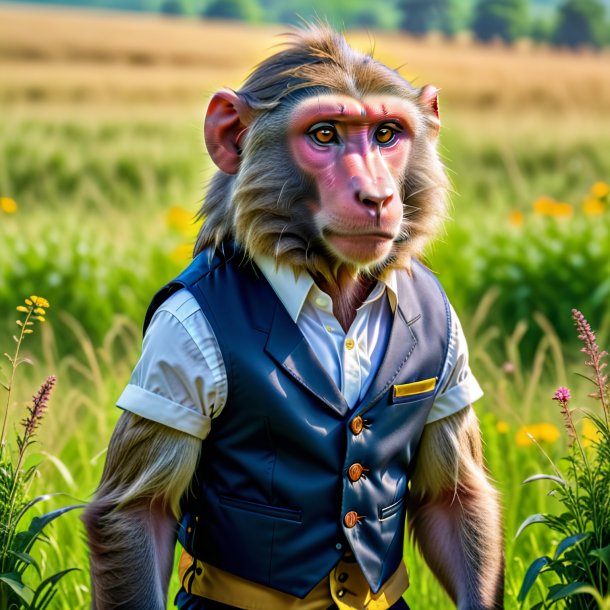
[391,510]
[266,510]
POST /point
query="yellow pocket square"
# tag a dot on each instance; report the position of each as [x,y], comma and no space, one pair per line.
[417,387]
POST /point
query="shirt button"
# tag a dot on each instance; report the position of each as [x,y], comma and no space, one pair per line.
[329,328]
[338,546]
[356,425]
[340,592]
[350,519]
[321,302]
[355,472]
[349,343]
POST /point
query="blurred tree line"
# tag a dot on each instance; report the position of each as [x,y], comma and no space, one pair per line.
[573,23]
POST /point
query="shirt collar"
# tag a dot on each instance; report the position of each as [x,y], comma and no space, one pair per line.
[293,286]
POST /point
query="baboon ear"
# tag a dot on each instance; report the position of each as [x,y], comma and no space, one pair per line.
[428,97]
[226,120]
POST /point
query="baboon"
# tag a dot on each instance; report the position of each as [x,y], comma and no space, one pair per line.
[304,385]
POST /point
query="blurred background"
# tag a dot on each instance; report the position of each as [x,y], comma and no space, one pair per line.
[103,168]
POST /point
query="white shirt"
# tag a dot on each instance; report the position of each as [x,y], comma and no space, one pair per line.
[180,380]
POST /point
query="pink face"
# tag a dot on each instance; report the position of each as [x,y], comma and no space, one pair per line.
[356,151]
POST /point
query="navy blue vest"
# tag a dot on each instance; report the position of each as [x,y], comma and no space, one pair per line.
[290,477]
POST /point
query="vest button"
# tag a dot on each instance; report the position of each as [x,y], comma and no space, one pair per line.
[349,343]
[356,425]
[342,577]
[355,472]
[350,519]
[340,592]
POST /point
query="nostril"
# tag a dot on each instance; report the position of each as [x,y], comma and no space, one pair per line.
[375,200]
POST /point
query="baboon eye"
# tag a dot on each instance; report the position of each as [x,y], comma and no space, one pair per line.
[323,133]
[386,133]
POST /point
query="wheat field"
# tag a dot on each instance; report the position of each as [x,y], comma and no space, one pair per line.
[81,57]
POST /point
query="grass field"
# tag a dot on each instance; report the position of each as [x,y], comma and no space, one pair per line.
[100,138]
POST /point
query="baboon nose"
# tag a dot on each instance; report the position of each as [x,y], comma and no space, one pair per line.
[375,198]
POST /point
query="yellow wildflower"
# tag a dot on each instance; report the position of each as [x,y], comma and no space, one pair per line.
[28,302]
[22,308]
[181,220]
[600,190]
[502,427]
[562,210]
[515,218]
[39,301]
[181,254]
[8,205]
[590,433]
[41,318]
[543,432]
[543,205]
[593,207]
[40,311]
[547,206]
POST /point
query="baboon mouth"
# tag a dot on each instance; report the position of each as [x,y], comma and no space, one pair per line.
[385,235]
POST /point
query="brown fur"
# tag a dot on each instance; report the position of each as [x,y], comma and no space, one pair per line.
[260,206]
[131,520]
[454,513]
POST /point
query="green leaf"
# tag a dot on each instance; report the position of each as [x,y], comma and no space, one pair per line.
[573,588]
[531,575]
[27,560]
[36,500]
[603,554]
[567,543]
[25,539]
[13,580]
[549,477]
[537,518]
[46,590]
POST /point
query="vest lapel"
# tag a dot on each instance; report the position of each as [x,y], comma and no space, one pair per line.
[401,344]
[287,346]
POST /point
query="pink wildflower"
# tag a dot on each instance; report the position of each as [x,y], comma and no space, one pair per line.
[591,349]
[39,406]
[562,394]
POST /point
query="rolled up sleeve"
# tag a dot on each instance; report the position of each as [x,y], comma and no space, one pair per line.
[180,379]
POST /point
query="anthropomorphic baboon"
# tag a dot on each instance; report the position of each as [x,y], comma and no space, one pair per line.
[304,384]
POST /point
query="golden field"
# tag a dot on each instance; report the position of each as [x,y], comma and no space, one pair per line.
[81,57]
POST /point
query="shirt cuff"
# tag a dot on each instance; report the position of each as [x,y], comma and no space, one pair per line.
[455,399]
[157,408]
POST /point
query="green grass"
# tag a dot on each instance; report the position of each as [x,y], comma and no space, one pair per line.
[91,236]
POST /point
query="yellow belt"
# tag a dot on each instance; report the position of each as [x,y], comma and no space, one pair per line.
[345,586]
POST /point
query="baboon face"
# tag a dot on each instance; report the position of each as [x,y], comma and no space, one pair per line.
[326,158]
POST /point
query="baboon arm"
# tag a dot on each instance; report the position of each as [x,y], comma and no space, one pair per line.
[454,513]
[131,522]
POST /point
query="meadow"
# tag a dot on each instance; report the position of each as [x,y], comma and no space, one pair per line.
[102,169]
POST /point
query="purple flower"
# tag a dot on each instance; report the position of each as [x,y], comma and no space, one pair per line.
[562,394]
[595,361]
